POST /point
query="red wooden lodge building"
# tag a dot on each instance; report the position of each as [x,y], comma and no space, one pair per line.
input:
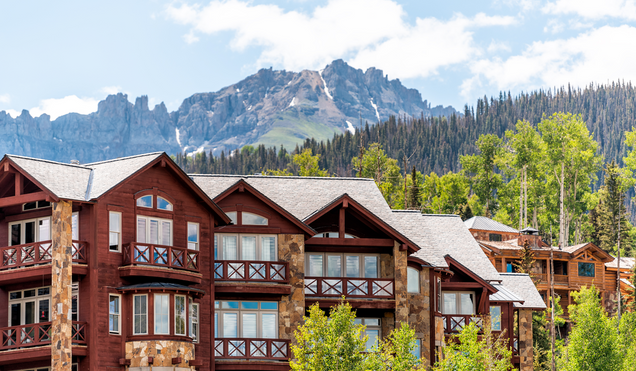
[131,263]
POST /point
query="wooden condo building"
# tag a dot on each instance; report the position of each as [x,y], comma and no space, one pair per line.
[130,264]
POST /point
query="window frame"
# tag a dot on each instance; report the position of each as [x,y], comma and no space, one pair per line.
[110,230]
[188,242]
[170,205]
[152,203]
[256,215]
[37,205]
[118,314]
[148,218]
[23,223]
[185,315]
[219,250]
[492,321]
[37,298]
[220,318]
[156,315]
[194,320]
[418,284]
[458,302]
[583,275]
[343,268]
[140,314]
[378,327]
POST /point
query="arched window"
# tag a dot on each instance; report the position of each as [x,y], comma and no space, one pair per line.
[253,219]
[145,201]
[163,204]
[413,280]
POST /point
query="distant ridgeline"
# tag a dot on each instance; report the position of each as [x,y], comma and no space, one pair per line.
[435,143]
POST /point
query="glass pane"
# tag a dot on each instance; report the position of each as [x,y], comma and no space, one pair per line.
[15,314]
[450,303]
[15,234]
[334,266]
[373,338]
[153,231]
[30,205]
[248,247]
[162,314]
[166,233]
[249,305]
[315,265]
[29,293]
[43,310]
[229,248]
[249,325]
[180,315]
[29,232]
[193,232]
[371,266]
[416,349]
[44,226]
[115,222]
[113,305]
[495,318]
[15,295]
[467,306]
[141,230]
[74,227]
[269,305]
[163,204]
[216,325]
[145,201]
[253,219]
[268,248]
[413,280]
[353,266]
[372,321]
[232,216]
[230,325]
[229,304]
[29,312]
[269,325]
[113,241]
[43,291]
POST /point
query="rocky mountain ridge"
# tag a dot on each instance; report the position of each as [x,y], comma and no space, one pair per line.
[269,107]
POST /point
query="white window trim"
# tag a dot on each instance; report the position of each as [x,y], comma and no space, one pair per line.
[343,263]
[458,301]
[194,334]
[188,242]
[218,237]
[155,314]
[133,315]
[23,229]
[118,314]
[160,220]
[239,318]
[185,315]
[411,269]
[111,231]
[37,298]
[152,200]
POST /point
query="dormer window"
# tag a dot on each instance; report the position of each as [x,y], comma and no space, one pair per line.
[253,219]
[145,201]
[163,204]
[35,205]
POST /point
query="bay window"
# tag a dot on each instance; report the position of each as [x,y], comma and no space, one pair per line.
[246,319]
[245,247]
[162,314]
[194,321]
[179,315]
[140,314]
[29,306]
[29,231]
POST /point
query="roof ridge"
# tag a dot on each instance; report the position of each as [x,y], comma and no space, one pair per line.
[448,215]
[279,177]
[48,161]
[124,158]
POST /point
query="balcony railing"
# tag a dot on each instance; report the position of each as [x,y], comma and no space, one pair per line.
[515,345]
[372,288]
[559,279]
[455,322]
[36,253]
[251,271]
[37,334]
[137,253]
[266,349]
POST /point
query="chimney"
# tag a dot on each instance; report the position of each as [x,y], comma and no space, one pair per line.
[75,162]
[531,235]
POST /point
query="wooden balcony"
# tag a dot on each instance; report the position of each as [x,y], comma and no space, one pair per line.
[248,349]
[151,260]
[37,334]
[363,288]
[559,279]
[251,271]
[454,323]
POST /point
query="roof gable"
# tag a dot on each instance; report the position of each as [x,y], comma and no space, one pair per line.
[486,224]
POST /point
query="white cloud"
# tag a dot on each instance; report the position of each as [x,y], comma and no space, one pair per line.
[58,107]
[525,5]
[554,26]
[600,55]
[498,46]
[5,98]
[593,9]
[365,32]
[111,90]
[13,113]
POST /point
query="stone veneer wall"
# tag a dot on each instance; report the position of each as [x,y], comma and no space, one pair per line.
[291,309]
[386,266]
[401,302]
[61,276]
[419,315]
[525,340]
[163,351]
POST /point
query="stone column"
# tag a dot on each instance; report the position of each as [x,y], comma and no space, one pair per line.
[291,309]
[61,279]
[525,340]
[420,315]
[401,300]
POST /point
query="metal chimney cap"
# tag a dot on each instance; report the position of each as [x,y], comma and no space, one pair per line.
[75,162]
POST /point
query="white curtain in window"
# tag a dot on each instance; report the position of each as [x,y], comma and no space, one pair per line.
[154,231]
[268,330]
[334,266]
[248,247]
[371,266]
[44,226]
[230,325]
[162,314]
[74,226]
[268,248]
[353,266]
[450,303]
[249,325]
[141,230]
[165,233]
[467,306]
[230,248]
[315,265]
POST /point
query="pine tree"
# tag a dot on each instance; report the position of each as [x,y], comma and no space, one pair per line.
[414,191]
[526,260]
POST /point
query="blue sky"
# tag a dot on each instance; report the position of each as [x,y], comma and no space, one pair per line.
[65,56]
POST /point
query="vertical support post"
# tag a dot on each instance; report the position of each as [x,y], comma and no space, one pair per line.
[61,279]
[525,340]
[401,297]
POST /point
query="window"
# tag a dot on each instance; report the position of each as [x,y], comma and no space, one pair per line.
[494,237]
[438,288]
[246,319]
[495,317]
[163,204]
[194,321]
[35,205]
[333,235]
[162,314]
[245,247]
[413,280]
[114,310]
[140,314]
[232,216]
[342,265]
[29,306]
[75,226]
[417,349]
[179,315]
[145,201]
[193,236]
[29,231]
[586,269]
[154,230]
[372,330]
[253,219]
[74,301]
[114,228]
[459,303]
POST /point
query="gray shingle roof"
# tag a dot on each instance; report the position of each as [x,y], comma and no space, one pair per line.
[487,224]
[504,294]
[107,174]
[441,235]
[626,263]
[522,285]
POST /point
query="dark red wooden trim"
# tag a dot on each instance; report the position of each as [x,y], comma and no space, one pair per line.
[146,211]
[358,304]
[160,337]
[247,288]
[241,183]
[343,242]
[353,250]
[27,274]
[454,263]
[9,163]
[341,222]
[29,197]
[461,285]
[244,229]
[140,271]
[39,213]
[417,261]
[414,265]
[432,278]
[226,365]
